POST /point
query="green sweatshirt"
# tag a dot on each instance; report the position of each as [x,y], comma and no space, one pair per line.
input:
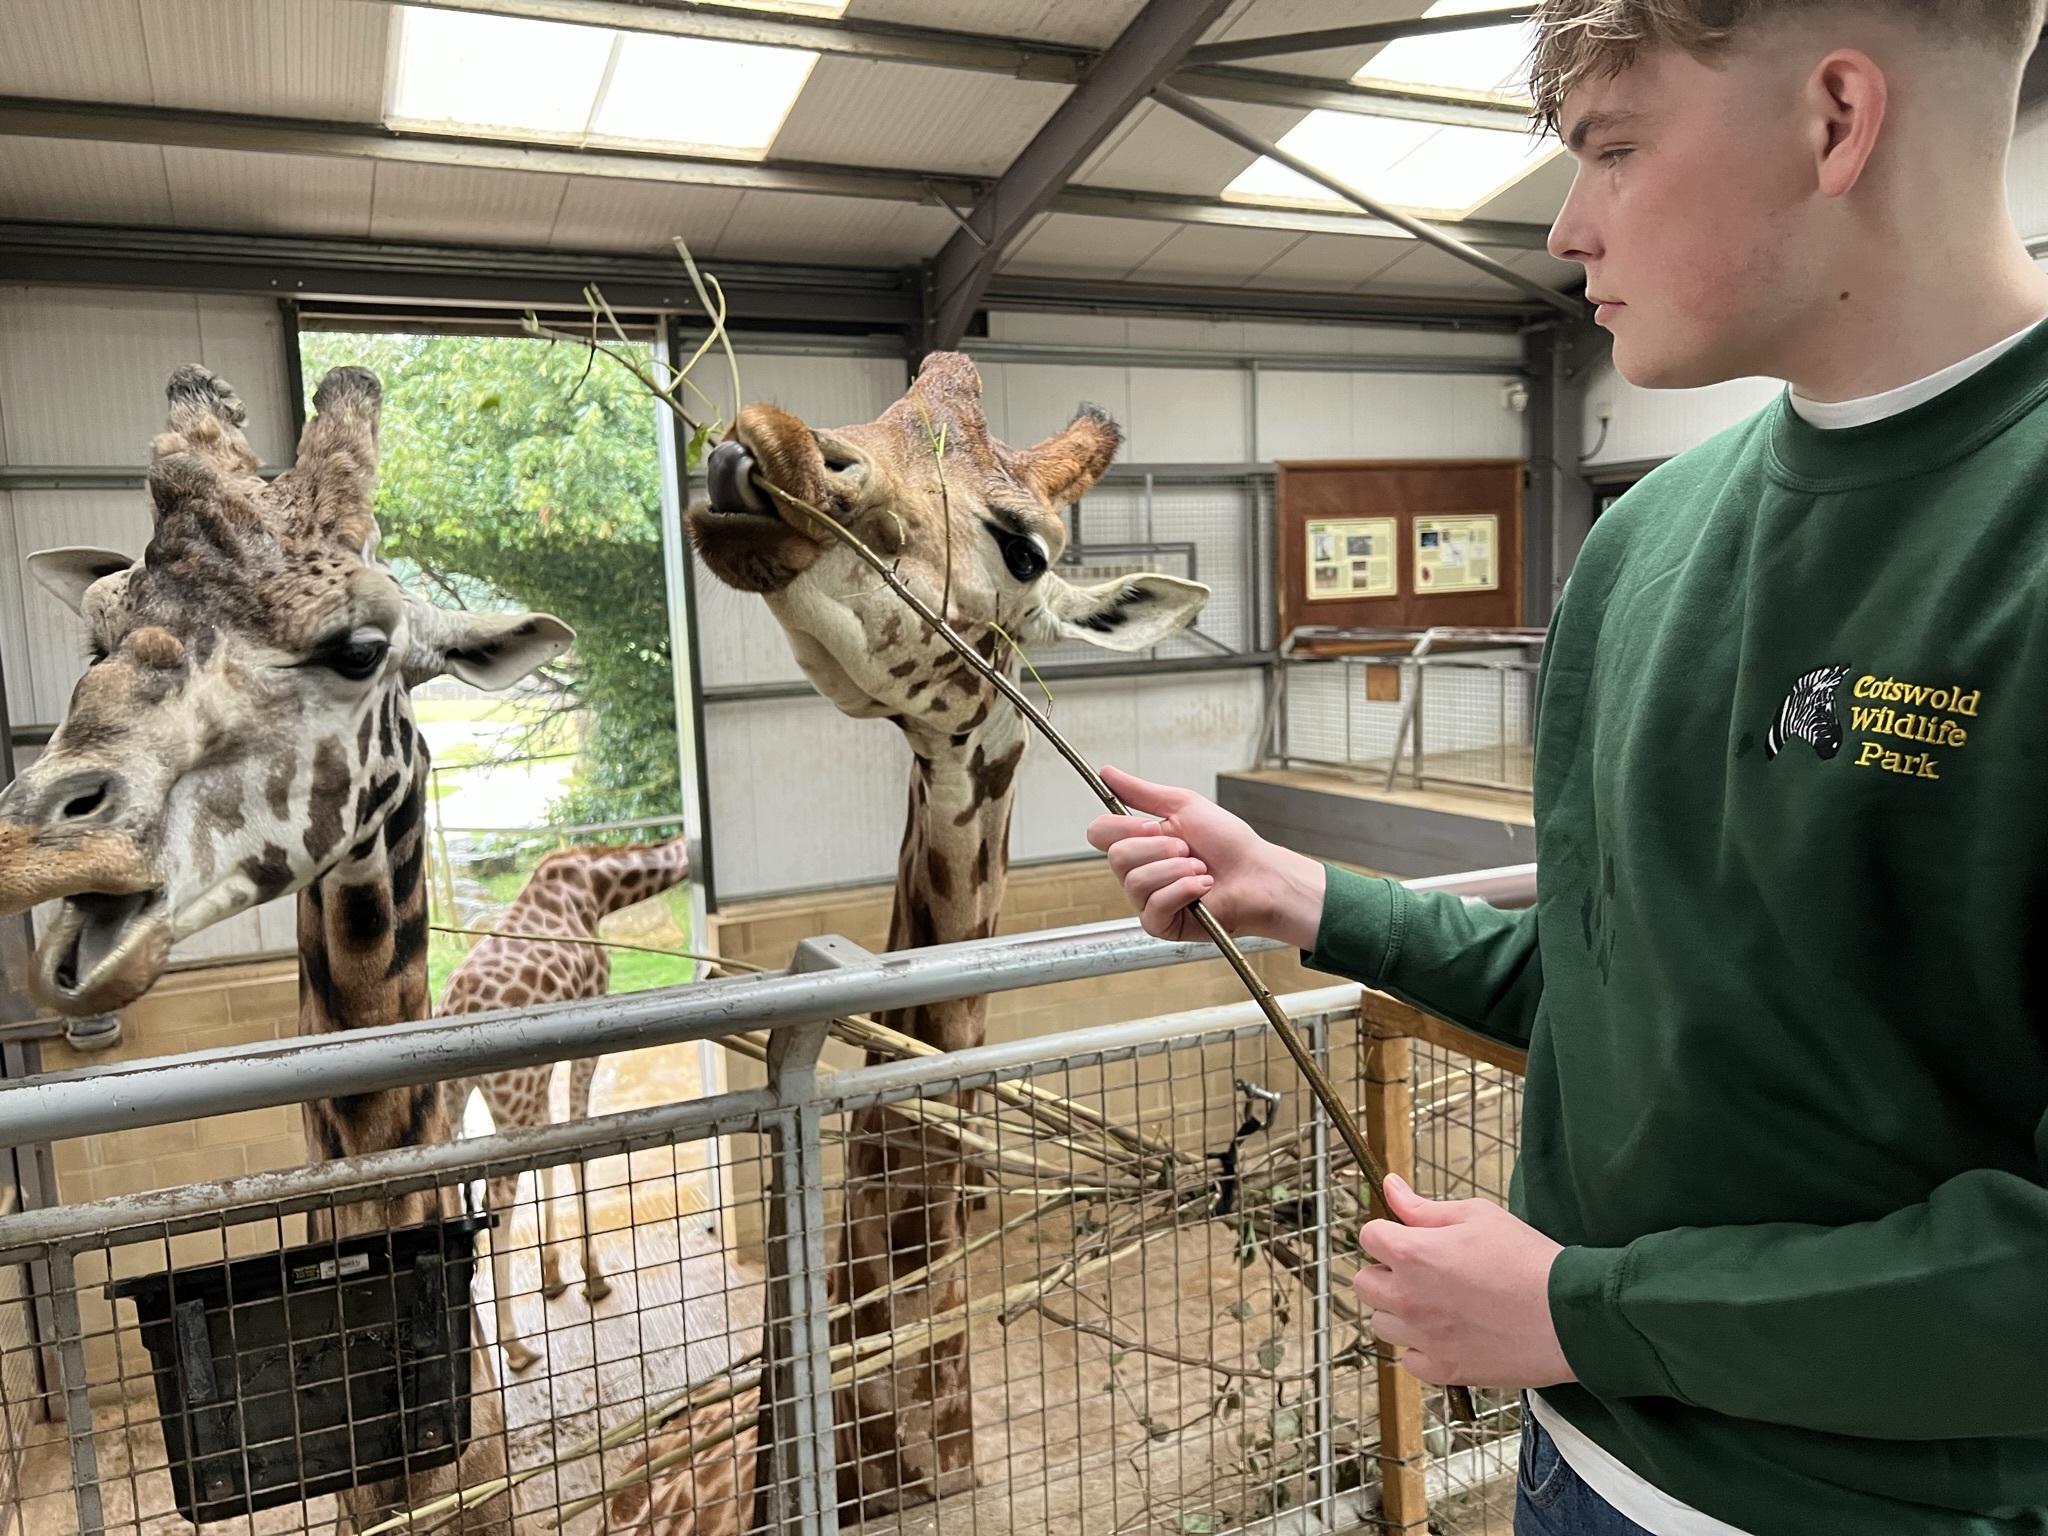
[1785,991]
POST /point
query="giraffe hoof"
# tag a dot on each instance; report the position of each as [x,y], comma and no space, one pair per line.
[596,1288]
[519,1359]
[553,1288]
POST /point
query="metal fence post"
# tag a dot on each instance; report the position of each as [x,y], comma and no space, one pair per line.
[1318,1030]
[1390,1132]
[797,1473]
[85,1464]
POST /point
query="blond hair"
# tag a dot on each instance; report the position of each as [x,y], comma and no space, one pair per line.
[1580,40]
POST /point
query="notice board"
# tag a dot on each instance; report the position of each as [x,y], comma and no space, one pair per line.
[1399,543]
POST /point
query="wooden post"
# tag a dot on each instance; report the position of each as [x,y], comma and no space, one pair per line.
[1390,1131]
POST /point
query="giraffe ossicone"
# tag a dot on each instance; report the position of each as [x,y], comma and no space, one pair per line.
[245,723]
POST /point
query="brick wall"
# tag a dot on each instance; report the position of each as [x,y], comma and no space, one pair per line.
[189,1011]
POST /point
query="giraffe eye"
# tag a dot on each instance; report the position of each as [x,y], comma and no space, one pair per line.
[358,657]
[1022,554]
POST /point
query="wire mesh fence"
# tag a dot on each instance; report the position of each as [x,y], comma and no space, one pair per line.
[1465,718]
[1090,1283]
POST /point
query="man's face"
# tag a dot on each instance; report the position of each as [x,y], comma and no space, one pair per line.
[1690,214]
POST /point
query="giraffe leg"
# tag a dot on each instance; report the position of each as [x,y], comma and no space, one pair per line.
[595,1286]
[501,1197]
[551,1282]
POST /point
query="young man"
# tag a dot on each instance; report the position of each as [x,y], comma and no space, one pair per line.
[1779,1263]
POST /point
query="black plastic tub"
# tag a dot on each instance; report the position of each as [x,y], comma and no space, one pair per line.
[287,1375]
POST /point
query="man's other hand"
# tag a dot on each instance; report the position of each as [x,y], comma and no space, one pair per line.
[1463,1288]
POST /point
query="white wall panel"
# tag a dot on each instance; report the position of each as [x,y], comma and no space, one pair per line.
[1187,416]
[1180,729]
[57,644]
[824,391]
[13,618]
[82,371]
[1385,416]
[738,640]
[1658,423]
[802,797]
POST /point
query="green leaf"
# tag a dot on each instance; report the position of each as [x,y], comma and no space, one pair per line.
[1198,1523]
[1286,1424]
[1241,1310]
[699,440]
[1271,1353]
[1247,1246]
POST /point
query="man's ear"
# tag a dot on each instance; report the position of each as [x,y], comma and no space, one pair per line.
[1065,465]
[68,574]
[486,650]
[1128,614]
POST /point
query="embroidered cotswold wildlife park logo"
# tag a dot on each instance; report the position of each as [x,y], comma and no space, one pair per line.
[1808,715]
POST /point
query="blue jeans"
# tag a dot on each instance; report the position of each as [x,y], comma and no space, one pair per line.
[1552,1500]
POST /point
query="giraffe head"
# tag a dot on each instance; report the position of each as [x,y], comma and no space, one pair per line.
[929,489]
[246,718]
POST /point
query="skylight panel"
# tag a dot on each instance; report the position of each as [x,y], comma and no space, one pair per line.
[1445,171]
[684,90]
[556,82]
[1487,60]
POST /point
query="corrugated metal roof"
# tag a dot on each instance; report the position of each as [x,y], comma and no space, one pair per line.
[327,59]
[424,202]
[288,58]
[1083,23]
[854,112]
[282,194]
[66,181]
[788,226]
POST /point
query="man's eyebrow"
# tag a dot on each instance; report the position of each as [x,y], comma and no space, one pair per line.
[1594,122]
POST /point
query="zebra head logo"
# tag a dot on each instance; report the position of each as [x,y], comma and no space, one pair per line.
[1808,715]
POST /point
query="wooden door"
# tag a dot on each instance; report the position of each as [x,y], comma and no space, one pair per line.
[1455,527]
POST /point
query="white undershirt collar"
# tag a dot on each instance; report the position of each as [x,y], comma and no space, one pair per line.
[1836,415]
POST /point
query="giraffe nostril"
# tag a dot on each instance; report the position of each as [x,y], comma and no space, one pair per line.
[85,804]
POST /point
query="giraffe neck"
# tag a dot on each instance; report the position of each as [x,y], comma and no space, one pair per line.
[955,861]
[577,887]
[362,962]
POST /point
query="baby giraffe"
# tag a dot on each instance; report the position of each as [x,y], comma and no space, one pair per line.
[570,891]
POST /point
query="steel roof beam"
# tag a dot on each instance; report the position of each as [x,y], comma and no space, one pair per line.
[451,279]
[1355,37]
[99,123]
[1443,240]
[1143,55]
[1018,58]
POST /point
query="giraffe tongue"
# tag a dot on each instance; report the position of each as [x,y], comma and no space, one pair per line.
[94,942]
[729,477]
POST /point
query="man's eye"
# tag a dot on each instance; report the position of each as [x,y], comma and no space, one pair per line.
[358,659]
[1615,155]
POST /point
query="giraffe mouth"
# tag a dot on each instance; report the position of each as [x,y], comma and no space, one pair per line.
[729,477]
[102,952]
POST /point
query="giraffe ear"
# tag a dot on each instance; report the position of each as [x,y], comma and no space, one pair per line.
[487,650]
[68,574]
[1065,465]
[1128,614]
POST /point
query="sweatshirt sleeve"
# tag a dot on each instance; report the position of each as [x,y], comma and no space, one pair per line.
[1467,962]
[1928,1324]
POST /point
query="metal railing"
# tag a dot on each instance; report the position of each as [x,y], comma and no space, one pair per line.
[1151,1266]
[1458,705]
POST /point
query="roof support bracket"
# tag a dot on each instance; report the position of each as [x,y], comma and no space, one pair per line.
[1450,244]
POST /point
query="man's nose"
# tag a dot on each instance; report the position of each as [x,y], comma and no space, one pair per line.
[1573,237]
